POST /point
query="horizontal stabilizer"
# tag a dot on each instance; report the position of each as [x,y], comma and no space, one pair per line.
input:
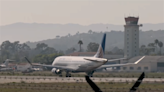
[116,59]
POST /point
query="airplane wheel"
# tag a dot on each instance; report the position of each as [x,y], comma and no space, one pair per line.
[68,74]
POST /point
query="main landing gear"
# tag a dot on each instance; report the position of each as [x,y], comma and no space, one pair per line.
[68,74]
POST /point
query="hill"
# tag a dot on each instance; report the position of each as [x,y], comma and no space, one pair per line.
[114,39]
[38,31]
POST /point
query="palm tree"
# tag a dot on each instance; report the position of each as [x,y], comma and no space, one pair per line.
[156,43]
[80,43]
[160,44]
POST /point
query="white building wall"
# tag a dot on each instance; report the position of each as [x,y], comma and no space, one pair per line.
[23,67]
[131,41]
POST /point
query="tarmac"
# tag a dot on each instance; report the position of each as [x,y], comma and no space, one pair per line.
[48,79]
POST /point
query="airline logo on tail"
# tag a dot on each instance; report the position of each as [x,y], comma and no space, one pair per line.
[101,50]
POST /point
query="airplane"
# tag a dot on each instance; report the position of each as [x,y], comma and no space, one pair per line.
[4,66]
[132,89]
[76,64]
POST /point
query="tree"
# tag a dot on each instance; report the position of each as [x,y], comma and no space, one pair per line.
[80,43]
[70,50]
[151,47]
[69,35]
[57,36]
[41,46]
[160,44]
[92,47]
[46,59]
[90,31]
[49,50]
[143,46]
[77,33]
[143,49]
[156,44]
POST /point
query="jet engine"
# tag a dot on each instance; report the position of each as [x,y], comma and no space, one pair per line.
[56,71]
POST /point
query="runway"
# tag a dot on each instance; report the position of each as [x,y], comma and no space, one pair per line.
[47,79]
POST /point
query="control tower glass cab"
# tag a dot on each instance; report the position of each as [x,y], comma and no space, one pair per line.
[131,20]
[131,37]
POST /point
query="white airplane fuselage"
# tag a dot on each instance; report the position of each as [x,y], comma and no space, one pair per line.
[78,64]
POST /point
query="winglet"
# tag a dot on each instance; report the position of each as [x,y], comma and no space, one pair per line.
[28,61]
[139,60]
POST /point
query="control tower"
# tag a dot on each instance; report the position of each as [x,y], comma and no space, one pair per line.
[131,37]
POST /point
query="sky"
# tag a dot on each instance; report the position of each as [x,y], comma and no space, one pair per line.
[83,12]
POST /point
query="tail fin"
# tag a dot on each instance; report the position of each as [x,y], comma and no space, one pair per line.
[7,61]
[101,50]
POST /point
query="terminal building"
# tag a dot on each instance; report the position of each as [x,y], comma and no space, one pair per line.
[148,64]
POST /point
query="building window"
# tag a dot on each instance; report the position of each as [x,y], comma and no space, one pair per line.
[135,51]
[131,68]
[145,68]
[124,68]
[139,68]
[160,64]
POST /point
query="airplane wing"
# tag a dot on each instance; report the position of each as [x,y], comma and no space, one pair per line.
[115,65]
[116,59]
[43,65]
